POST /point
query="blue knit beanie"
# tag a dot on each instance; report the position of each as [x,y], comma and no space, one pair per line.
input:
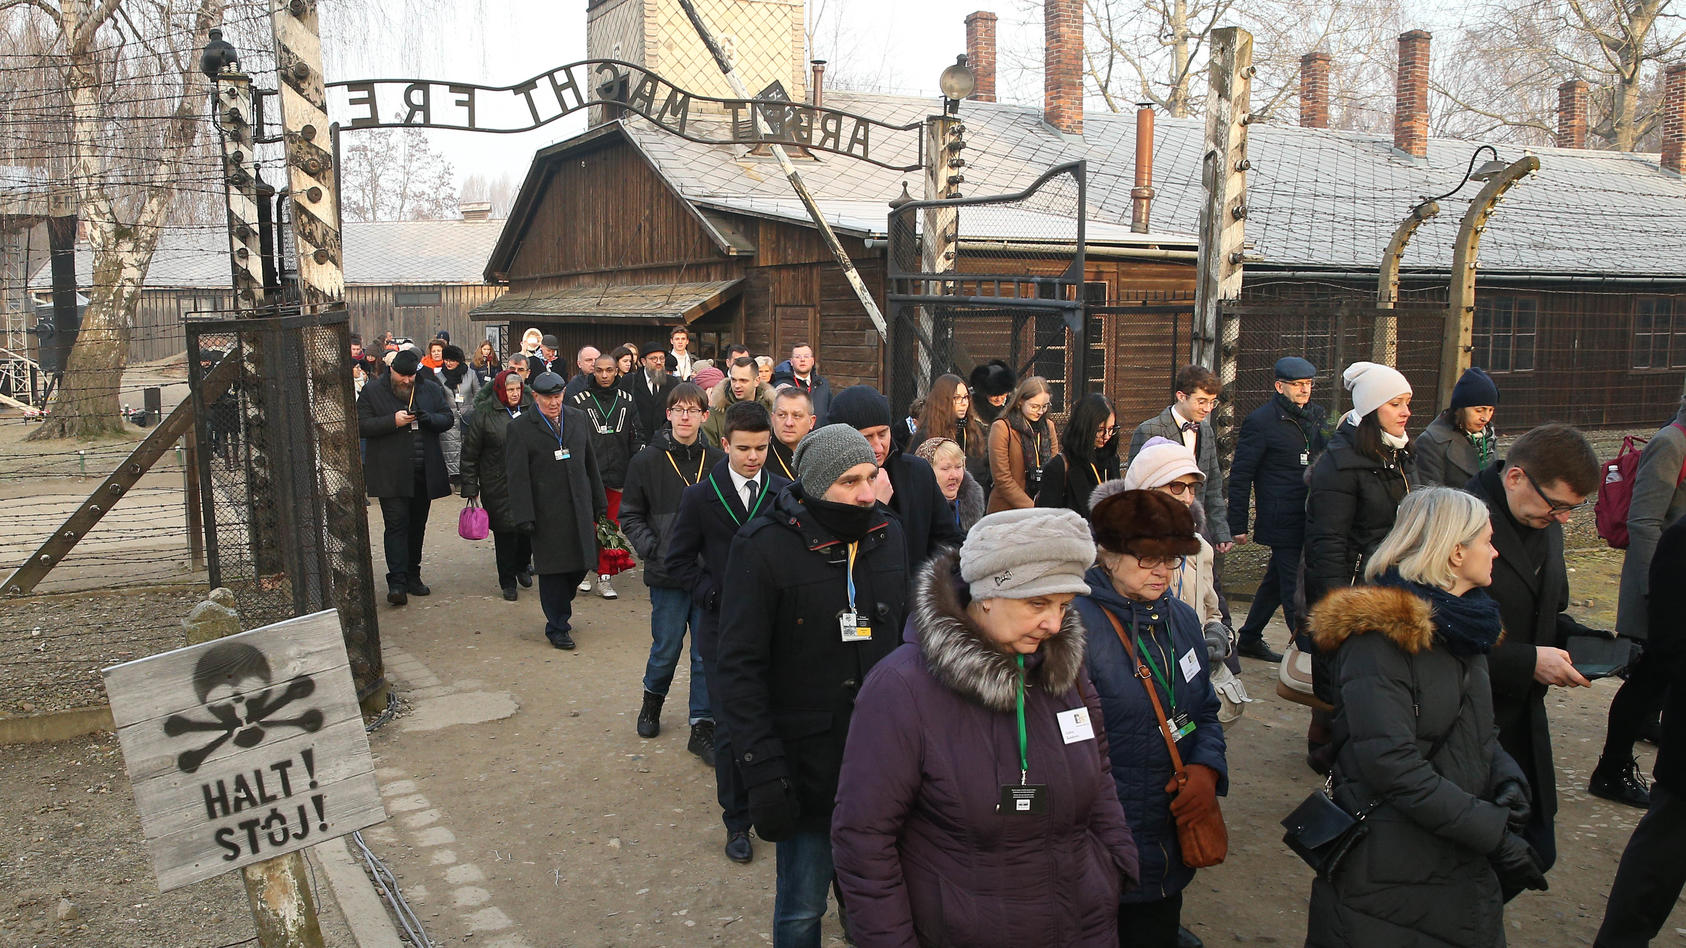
[1474,387]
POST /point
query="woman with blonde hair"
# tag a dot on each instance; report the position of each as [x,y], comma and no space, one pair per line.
[1021,441]
[1416,747]
[965,498]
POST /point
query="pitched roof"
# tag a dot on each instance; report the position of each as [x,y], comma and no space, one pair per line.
[1317,198]
[376,253]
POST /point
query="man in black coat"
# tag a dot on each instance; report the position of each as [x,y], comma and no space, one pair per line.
[1651,874]
[1278,442]
[400,419]
[556,498]
[648,385]
[815,595]
[1550,473]
[710,514]
[906,484]
[793,418]
[615,435]
[799,371]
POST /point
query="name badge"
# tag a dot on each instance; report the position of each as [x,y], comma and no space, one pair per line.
[1190,663]
[459,398]
[605,429]
[515,414]
[852,628]
[1181,725]
[1305,458]
[1023,799]
[562,454]
[415,426]
[1075,726]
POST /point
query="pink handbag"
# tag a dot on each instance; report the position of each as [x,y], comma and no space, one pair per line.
[473,523]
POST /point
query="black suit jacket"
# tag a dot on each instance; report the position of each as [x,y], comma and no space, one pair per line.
[703,531]
[651,406]
[388,455]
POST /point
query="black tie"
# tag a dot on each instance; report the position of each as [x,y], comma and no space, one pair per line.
[749,489]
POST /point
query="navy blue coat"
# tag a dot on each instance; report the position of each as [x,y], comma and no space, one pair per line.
[1141,766]
[703,529]
[1267,465]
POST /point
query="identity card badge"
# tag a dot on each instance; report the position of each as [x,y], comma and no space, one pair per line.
[1023,799]
[853,629]
[563,454]
[1305,459]
[1190,664]
[1181,725]
[1075,725]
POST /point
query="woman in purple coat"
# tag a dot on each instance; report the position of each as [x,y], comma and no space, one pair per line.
[976,804]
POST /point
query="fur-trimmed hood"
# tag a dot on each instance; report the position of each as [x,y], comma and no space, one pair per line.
[959,655]
[1405,619]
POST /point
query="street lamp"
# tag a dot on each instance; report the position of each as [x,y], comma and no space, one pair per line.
[956,83]
[1489,169]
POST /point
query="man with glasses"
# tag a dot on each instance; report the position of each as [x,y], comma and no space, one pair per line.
[1278,442]
[1548,475]
[656,479]
[517,363]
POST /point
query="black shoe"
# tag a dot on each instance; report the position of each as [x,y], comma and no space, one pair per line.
[702,741]
[525,578]
[1187,939]
[1652,733]
[509,593]
[738,847]
[650,715]
[1620,783]
[562,640]
[416,587]
[1256,648]
[396,595]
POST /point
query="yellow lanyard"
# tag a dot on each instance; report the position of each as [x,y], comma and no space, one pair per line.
[850,575]
[1096,471]
[787,471]
[681,474]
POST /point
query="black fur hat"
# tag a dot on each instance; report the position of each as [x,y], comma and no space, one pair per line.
[993,378]
[1144,523]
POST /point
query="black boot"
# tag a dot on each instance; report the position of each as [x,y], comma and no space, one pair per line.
[396,594]
[1620,783]
[650,715]
[416,587]
[702,741]
[1187,939]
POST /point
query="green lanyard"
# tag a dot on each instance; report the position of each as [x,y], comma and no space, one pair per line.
[600,409]
[1024,740]
[758,499]
[1159,676]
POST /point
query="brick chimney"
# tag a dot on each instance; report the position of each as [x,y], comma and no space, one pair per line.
[475,210]
[1410,112]
[1674,118]
[1571,114]
[1314,90]
[980,54]
[1062,65]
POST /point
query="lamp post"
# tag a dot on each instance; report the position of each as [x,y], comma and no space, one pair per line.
[1459,345]
[940,226]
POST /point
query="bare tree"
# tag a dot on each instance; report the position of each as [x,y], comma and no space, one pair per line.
[497,191]
[853,61]
[393,174]
[1527,50]
[136,103]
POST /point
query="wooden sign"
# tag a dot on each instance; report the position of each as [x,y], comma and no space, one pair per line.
[245,748]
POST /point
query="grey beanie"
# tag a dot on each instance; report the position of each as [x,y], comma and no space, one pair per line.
[1032,551]
[823,456]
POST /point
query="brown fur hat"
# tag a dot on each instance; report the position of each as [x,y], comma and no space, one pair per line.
[1144,523]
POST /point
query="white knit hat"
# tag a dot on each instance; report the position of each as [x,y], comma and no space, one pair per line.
[1372,386]
[1033,551]
[1160,462]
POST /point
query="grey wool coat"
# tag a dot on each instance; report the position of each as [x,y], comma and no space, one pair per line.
[1659,499]
[561,498]
[1443,456]
[1216,497]
[1420,878]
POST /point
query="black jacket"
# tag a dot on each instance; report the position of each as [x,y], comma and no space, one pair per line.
[655,479]
[1349,508]
[389,451]
[615,434]
[652,406]
[818,389]
[1067,482]
[1267,465]
[1532,606]
[787,680]
[485,432]
[562,498]
[704,527]
[1420,877]
[921,507]
[1668,643]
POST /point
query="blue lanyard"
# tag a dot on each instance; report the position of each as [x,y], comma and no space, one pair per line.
[558,429]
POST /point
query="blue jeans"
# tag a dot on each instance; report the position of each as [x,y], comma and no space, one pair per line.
[671,612]
[803,879]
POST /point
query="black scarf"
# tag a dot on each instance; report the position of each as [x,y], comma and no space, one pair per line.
[1306,416]
[453,377]
[1467,624]
[846,522]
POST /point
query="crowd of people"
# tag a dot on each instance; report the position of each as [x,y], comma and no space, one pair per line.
[970,670]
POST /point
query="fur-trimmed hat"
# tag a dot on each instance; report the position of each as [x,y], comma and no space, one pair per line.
[993,378]
[1144,523]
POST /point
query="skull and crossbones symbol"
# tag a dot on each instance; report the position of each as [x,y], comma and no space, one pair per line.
[218,680]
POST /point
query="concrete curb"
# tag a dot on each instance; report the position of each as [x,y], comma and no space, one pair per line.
[55,725]
[362,907]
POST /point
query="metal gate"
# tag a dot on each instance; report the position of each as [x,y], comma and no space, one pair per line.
[996,277]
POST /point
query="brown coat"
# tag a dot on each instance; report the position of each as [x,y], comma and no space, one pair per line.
[1006,465]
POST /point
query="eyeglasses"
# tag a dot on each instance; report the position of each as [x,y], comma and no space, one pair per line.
[1159,562]
[1558,507]
[1108,430]
[687,412]
[1179,488]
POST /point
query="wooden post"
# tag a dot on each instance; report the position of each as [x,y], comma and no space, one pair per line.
[1384,333]
[1459,345]
[278,890]
[1223,217]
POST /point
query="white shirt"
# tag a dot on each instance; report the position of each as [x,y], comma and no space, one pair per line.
[1189,437]
[682,365]
[738,482]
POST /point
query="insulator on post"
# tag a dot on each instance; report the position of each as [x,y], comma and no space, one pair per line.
[1240,212]
[1235,257]
[1243,165]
